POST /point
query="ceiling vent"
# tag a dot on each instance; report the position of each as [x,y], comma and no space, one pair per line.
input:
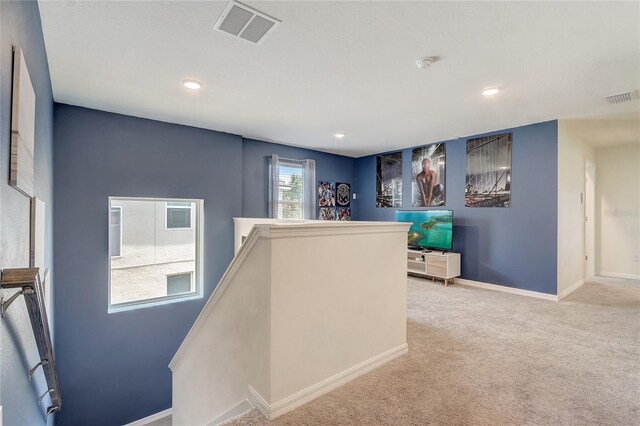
[242,21]
[621,97]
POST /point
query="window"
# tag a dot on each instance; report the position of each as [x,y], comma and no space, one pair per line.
[115,231]
[156,254]
[292,193]
[178,215]
[179,283]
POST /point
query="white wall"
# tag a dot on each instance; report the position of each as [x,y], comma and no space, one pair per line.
[573,152]
[618,210]
[302,309]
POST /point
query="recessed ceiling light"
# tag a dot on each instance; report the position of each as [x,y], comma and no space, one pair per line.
[339,135]
[490,91]
[192,84]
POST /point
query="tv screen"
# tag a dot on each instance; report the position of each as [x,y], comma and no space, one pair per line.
[430,229]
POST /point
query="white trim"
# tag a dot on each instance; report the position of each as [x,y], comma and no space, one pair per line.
[329,228]
[570,290]
[151,418]
[259,402]
[504,289]
[312,392]
[258,231]
[618,275]
[236,411]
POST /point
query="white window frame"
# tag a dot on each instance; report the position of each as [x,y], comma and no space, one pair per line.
[119,251]
[308,203]
[199,260]
[190,273]
[166,216]
[282,203]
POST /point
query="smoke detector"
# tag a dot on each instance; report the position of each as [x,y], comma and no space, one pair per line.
[426,62]
[619,98]
[246,23]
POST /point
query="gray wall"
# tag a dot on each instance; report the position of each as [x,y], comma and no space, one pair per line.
[20,26]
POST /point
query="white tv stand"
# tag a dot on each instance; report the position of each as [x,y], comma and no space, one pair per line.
[434,264]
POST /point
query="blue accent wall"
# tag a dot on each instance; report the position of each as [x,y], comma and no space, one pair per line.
[20,26]
[514,246]
[114,367]
[255,184]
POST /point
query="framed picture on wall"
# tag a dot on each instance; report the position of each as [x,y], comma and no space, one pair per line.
[389,180]
[23,121]
[326,194]
[327,213]
[343,213]
[488,182]
[428,175]
[343,194]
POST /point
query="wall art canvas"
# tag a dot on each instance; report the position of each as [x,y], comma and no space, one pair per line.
[326,194]
[389,180]
[343,213]
[37,239]
[428,175]
[488,182]
[343,194]
[327,213]
[23,114]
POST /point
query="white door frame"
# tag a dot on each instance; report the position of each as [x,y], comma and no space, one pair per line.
[590,220]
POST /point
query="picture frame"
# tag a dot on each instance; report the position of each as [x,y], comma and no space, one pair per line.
[23,113]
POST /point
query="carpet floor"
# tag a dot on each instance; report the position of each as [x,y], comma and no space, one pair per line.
[479,357]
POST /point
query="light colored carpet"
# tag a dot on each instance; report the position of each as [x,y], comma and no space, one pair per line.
[479,357]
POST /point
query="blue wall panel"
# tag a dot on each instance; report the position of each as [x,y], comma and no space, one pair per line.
[114,367]
[515,246]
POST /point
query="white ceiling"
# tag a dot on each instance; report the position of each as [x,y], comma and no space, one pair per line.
[601,132]
[347,67]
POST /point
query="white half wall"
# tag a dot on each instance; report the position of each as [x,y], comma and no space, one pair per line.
[573,153]
[302,309]
[618,211]
[228,346]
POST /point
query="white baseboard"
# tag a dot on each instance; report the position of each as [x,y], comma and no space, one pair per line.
[259,402]
[570,290]
[505,289]
[312,392]
[618,275]
[151,418]
[240,408]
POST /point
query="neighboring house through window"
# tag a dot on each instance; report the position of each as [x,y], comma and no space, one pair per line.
[179,283]
[115,231]
[178,215]
[156,253]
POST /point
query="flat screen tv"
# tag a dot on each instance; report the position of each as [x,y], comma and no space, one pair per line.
[431,229]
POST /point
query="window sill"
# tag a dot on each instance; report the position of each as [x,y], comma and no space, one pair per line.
[129,306]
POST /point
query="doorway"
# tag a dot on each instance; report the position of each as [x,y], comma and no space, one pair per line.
[590,220]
